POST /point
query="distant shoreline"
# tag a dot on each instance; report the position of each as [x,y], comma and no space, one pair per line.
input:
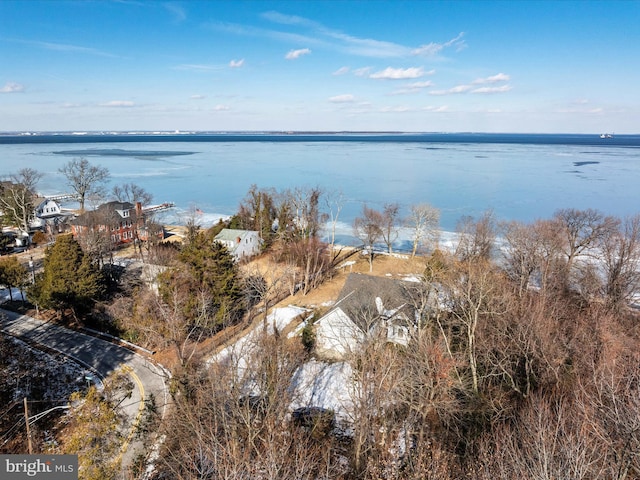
[283,137]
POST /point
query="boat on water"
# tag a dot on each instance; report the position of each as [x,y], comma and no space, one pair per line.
[606,135]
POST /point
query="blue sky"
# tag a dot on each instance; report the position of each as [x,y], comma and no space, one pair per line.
[484,66]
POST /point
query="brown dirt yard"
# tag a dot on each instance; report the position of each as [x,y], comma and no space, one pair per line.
[393,266]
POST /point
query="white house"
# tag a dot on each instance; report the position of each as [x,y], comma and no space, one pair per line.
[240,243]
[337,335]
[362,314]
[48,208]
[48,215]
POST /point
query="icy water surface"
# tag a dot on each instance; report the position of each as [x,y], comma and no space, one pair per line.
[519,177]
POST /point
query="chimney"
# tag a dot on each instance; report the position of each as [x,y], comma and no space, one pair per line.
[138,209]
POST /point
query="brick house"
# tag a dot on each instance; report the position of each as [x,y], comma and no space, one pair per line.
[122,222]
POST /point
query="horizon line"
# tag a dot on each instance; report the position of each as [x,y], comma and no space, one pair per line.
[283,132]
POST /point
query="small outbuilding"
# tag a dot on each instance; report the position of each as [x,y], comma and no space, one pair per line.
[240,243]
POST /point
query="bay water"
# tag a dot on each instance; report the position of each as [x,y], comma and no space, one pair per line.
[519,177]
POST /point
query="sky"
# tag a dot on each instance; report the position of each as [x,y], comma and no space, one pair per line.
[414,66]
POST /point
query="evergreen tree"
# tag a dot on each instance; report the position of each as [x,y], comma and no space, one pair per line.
[12,274]
[69,279]
[206,283]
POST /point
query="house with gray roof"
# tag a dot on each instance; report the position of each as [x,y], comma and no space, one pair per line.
[242,244]
[368,309]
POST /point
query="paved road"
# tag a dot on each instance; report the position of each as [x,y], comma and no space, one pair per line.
[101,356]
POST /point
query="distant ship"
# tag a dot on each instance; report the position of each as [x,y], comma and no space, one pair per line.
[606,135]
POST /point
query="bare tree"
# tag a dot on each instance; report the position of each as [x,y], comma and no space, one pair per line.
[265,285]
[609,402]
[621,262]
[423,221]
[546,442]
[477,236]
[94,235]
[235,421]
[390,213]
[335,202]
[521,253]
[132,193]
[308,260]
[368,228]
[257,211]
[17,197]
[84,179]
[582,231]
[472,291]
[548,238]
[304,204]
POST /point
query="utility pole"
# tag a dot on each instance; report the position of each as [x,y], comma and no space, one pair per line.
[33,280]
[26,421]
[33,272]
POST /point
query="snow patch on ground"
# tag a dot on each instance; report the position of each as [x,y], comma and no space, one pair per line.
[40,376]
[325,385]
[15,292]
[240,352]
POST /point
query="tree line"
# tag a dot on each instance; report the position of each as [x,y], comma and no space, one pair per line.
[523,361]
[523,364]
[87,182]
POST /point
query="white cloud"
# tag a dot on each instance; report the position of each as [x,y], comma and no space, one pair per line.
[177,11]
[293,54]
[432,49]
[317,34]
[71,105]
[346,98]
[501,89]
[12,87]
[341,71]
[192,67]
[500,77]
[365,47]
[390,73]
[472,89]
[426,84]
[281,18]
[236,63]
[412,88]
[362,72]
[66,48]
[453,90]
[460,89]
[437,109]
[197,97]
[118,104]
[221,108]
[405,91]
[398,109]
